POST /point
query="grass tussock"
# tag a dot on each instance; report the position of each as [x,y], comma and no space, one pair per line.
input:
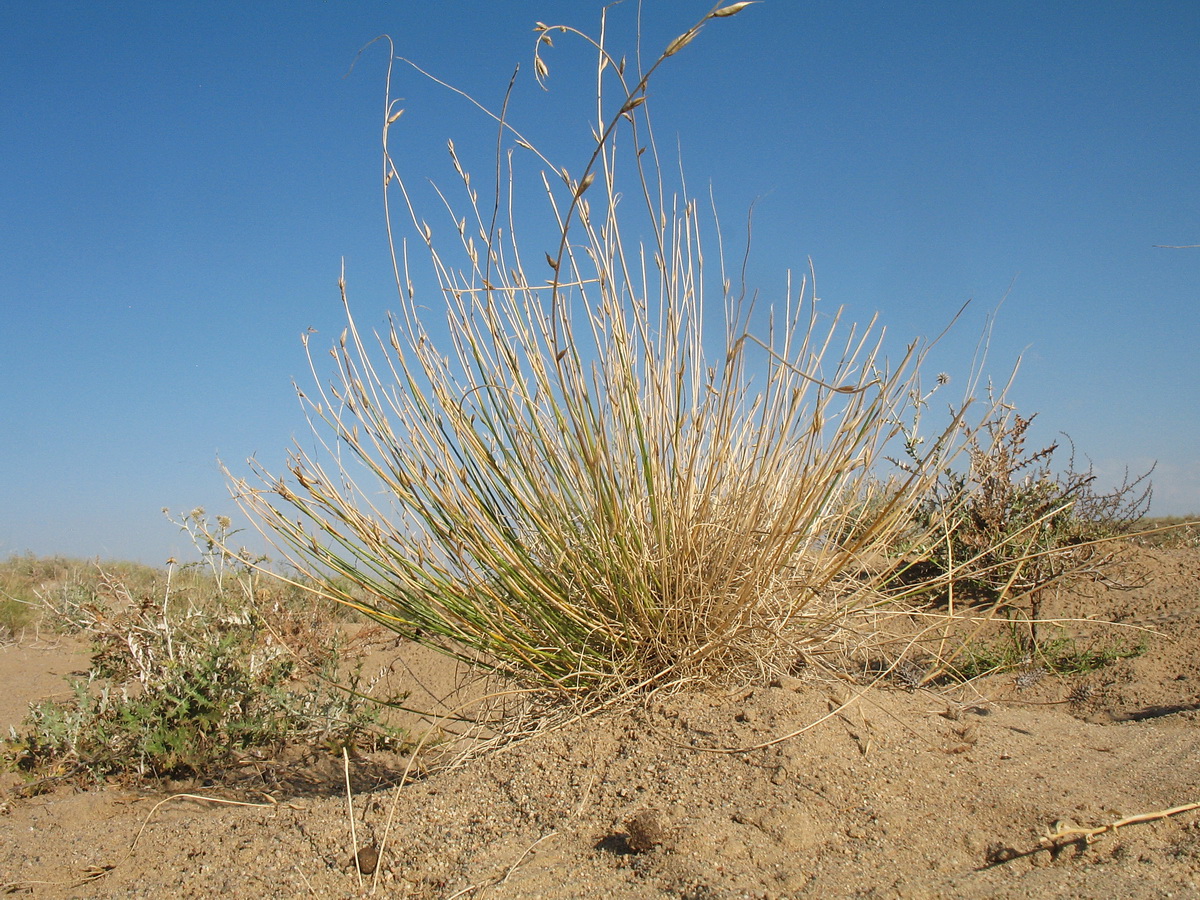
[579,487]
[554,466]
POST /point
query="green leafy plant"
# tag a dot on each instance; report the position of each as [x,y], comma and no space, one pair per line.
[1012,651]
[576,488]
[184,680]
[14,616]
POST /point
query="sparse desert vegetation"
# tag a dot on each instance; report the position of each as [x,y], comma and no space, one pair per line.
[793,785]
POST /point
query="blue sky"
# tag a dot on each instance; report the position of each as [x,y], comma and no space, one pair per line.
[181,182]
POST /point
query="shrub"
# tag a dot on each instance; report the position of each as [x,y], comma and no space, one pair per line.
[574,489]
[1009,525]
[183,680]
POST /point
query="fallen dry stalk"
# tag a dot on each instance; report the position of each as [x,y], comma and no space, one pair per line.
[1065,831]
[350,811]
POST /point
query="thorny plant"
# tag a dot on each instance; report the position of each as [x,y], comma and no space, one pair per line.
[214,538]
[187,678]
[573,490]
[1013,525]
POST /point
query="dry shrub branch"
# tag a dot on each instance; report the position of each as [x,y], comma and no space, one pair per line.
[1016,526]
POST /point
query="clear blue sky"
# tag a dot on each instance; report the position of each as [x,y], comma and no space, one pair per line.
[181,181]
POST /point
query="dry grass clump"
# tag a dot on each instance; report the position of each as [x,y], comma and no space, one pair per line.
[582,487]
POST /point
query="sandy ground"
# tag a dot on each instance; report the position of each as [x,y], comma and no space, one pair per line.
[759,792]
[37,667]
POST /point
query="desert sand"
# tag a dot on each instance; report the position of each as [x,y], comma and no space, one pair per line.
[812,786]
